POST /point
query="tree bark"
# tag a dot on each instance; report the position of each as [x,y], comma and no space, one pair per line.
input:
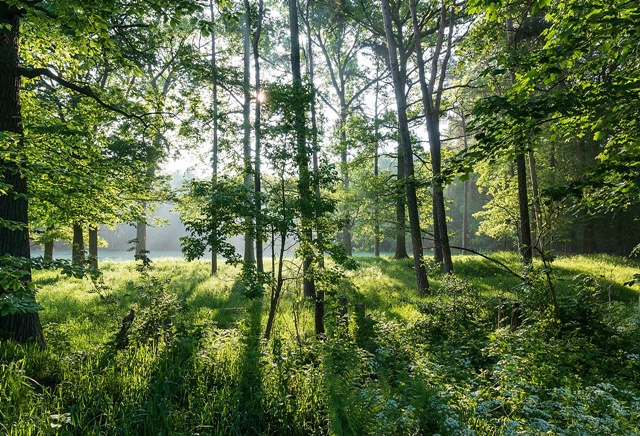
[14,205]
[405,140]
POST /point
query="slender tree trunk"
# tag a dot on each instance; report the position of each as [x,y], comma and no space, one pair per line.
[465,207]
[319,303]
[431,96]
[523,202]
[344,167]
[521,172]
[376,168]
[276,290]
[405,139]
[214,149]
[301,153]
[77,246]
[21,327]
[249,255]
[93,246]
[258,138]
[537,203]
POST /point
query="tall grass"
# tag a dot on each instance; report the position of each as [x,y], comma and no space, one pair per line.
[412,364]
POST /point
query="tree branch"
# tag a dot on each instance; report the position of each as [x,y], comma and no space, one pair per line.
[32,73]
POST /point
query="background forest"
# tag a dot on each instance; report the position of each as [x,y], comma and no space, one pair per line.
[481,158]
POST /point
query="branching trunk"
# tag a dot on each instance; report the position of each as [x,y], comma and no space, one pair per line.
[431,97]
[405,140]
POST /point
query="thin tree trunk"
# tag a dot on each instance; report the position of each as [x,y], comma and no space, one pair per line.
[465,207]
[521,172]
[319,303]
[249,255]
[376,168]
[344,168]
[537,203]
[77,246]
[214,150]
[405,139]
[258,138]
[301,153]
[93,246]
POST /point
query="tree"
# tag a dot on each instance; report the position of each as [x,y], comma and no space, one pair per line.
[431,101]
[399,83]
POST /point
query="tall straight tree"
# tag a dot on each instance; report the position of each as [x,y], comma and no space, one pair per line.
[526,248]
[214,146]
[431,101]
[405,141]
[302,157]
[249,254]
[259,235]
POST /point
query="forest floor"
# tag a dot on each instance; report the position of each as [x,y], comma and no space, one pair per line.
[194,360]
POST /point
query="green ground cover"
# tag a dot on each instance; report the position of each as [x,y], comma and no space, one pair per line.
[194,361]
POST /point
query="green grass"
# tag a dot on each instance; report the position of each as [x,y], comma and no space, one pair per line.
[196,362]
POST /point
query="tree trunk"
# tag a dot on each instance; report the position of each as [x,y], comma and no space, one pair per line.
[141,232]
[93,246]
[523,203]
[21,327]
[319,303]
[301,153]
[48,250]
[49,245]
[249,255]
[376,168]
[258,138]
[521,172]
[344,168]
[465,206]
[405,140]
[214,148]
[77,246]
[537,202]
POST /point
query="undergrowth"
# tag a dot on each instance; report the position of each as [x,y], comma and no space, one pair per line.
[191,358]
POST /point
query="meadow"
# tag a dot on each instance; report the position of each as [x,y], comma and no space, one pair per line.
[485,353]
